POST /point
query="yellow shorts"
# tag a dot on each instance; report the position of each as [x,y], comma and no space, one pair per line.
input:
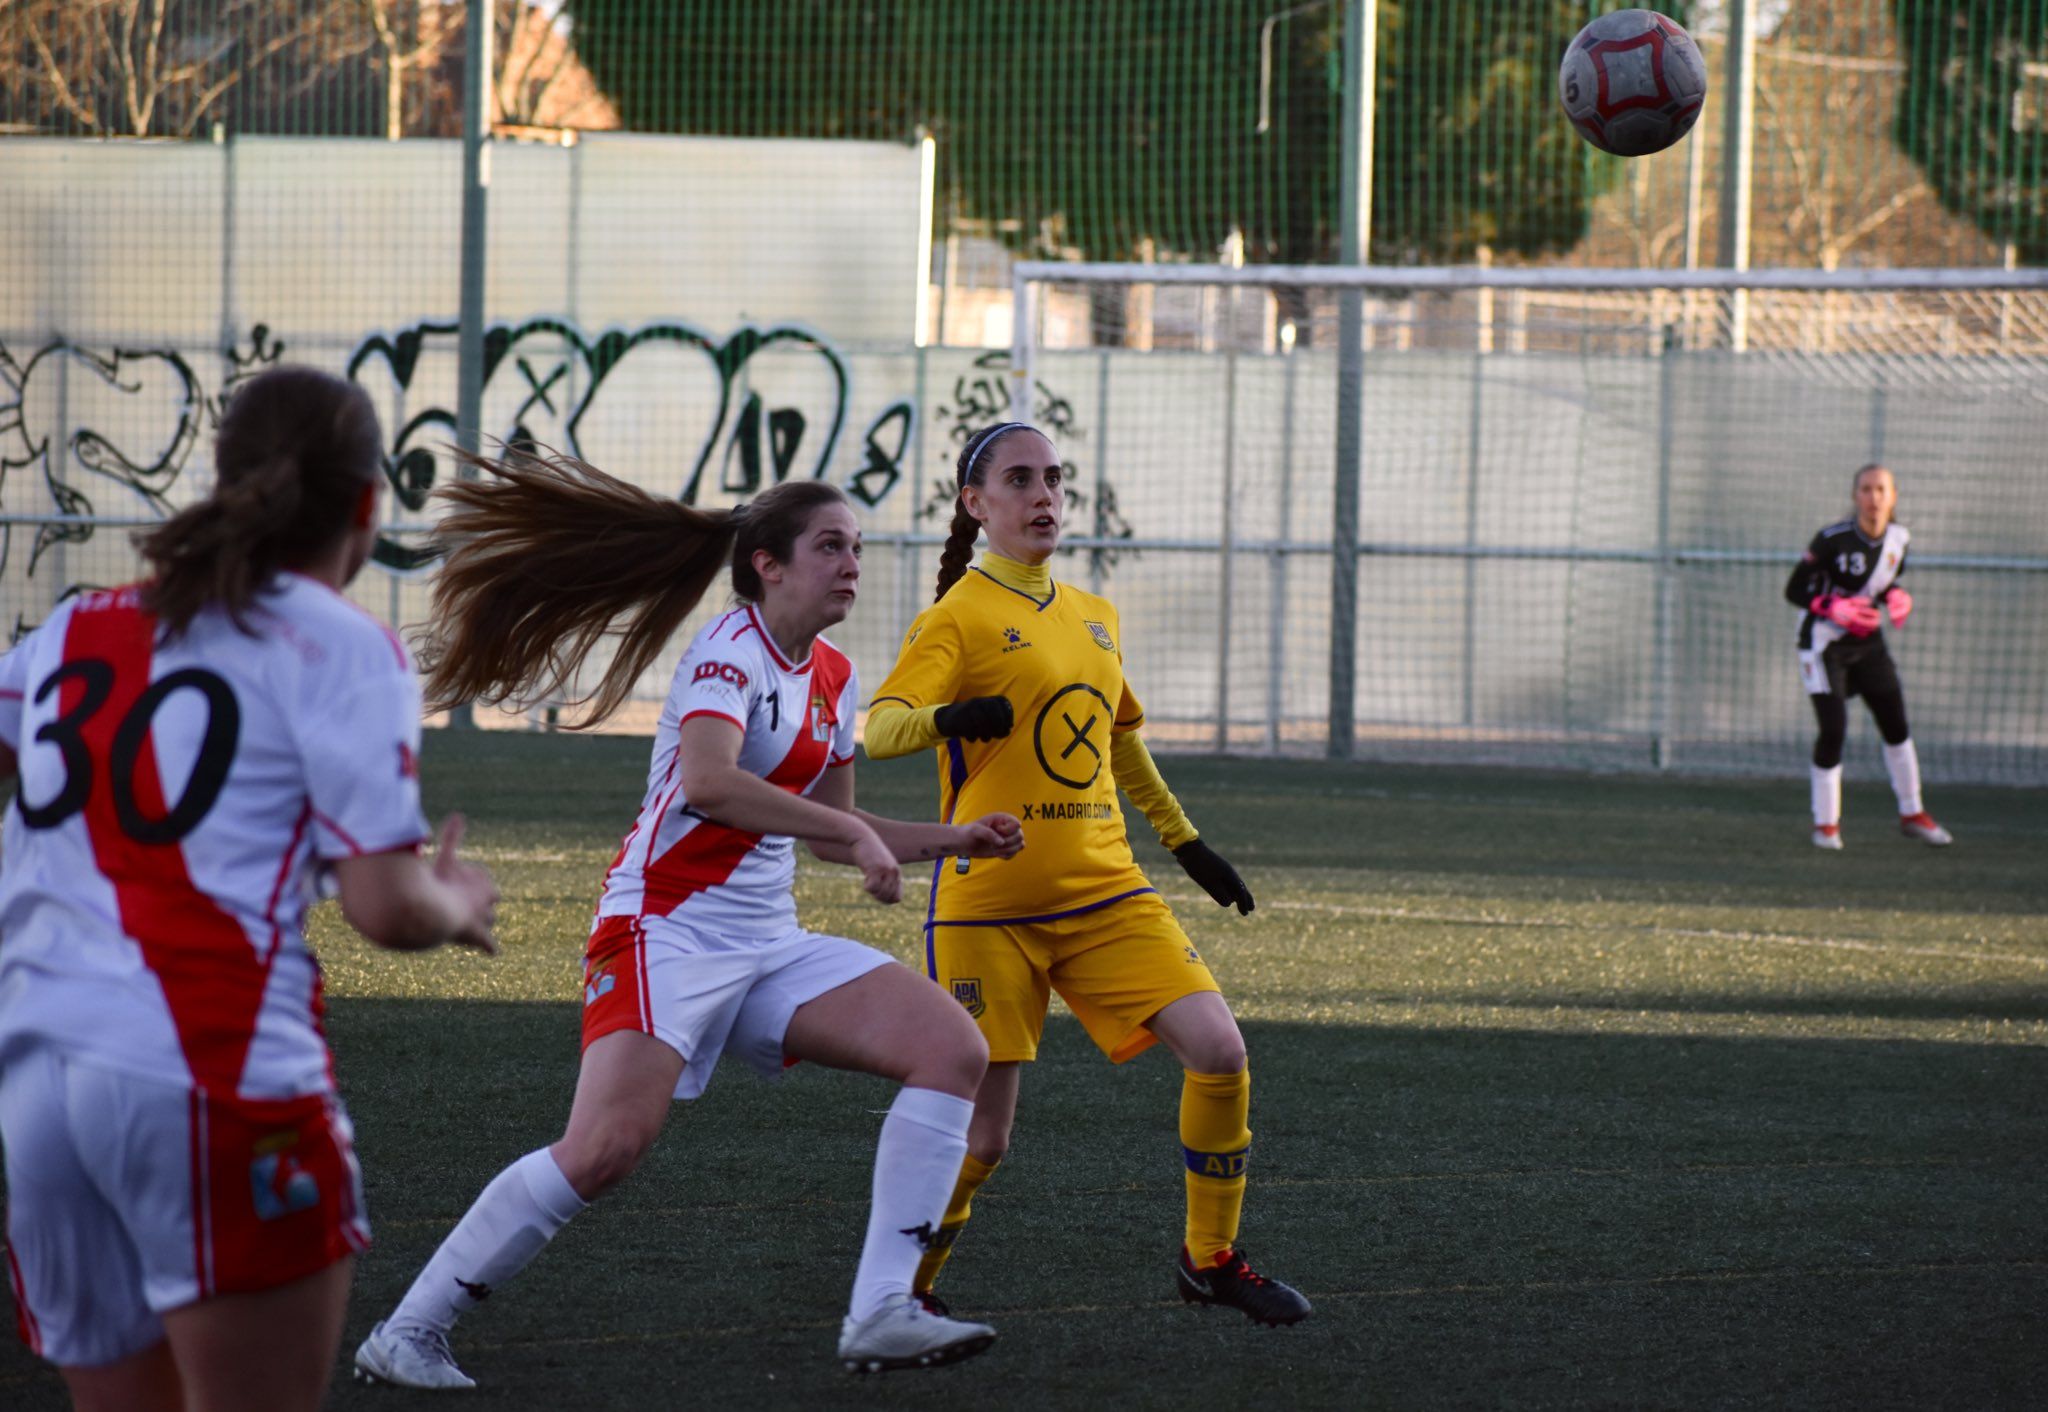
[1116,965]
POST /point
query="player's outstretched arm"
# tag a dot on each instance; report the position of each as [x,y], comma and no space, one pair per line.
[409,903]
[991,836]
[716,786]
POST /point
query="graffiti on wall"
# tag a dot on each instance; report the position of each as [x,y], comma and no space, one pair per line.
[106,434]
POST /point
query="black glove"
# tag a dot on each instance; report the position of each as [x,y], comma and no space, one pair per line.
[1215,877]
[983,718]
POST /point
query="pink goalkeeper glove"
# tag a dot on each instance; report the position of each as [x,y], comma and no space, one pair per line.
[1901,604]
[1856,616]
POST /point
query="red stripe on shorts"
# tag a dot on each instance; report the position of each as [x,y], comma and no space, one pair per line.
[25,1323]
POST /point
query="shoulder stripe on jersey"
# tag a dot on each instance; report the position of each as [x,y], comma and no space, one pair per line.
[899,700]
[212,981]
[1837,527]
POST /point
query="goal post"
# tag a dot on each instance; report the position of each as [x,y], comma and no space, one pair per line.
[1579,493]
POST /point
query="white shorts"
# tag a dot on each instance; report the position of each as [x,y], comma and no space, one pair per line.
[127,1198]
[705,995]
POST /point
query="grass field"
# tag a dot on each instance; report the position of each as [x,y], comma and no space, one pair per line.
[1569,1091]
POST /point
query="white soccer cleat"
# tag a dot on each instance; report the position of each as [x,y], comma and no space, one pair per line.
[1828,836]
[1923,827]
[407,1355]
[904,1334]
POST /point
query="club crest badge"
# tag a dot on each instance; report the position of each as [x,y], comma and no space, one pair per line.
[1100,633]
[967,990]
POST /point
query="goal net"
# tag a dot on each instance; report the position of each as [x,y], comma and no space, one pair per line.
[1572,501]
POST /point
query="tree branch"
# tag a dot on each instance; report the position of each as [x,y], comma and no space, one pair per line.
[54,79]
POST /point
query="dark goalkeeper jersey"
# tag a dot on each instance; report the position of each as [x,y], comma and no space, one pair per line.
[1844,561]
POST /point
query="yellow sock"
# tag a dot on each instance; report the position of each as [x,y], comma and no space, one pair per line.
[1213,1108]
[973,1172]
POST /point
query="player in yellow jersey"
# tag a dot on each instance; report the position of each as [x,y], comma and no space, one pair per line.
[1018,682]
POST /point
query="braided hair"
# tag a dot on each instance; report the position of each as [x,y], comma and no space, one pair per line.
[971,469]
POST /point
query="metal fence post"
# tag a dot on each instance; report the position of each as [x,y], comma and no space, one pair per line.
[476,181]
[1662,656]
[1474,443]
[1226,584]
[1276,633]
[1354,244]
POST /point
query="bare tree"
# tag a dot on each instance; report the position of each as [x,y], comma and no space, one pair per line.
[421,48]
[157,68]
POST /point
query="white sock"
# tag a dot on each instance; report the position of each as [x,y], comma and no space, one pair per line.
[1827,795]
[517,1214]
[917,1161]
[1902,763]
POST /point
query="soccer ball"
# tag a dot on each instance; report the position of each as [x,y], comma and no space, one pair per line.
[1632,82]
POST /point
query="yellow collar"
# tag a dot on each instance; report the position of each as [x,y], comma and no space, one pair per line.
[1032,580]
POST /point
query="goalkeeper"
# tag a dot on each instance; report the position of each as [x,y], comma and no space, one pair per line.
[1851,568]
[1018,682]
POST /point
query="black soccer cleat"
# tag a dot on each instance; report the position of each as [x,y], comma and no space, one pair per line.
[1236,1285]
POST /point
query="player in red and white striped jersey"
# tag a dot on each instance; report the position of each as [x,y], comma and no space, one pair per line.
[696,951]
[192,751]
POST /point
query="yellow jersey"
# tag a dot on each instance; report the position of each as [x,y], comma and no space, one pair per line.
[1059,660]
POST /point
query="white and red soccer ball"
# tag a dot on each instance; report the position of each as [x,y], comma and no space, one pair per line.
[1632,82]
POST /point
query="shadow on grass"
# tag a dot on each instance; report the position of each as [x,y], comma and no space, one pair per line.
[1482,1217]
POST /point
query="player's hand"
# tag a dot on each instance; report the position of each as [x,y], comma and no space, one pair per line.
[880,875]
[1216,877]
[1901,604]
[990,836]
[476,895]
[983,718]
[1856,616]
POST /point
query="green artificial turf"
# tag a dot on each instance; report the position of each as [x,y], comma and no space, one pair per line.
[1568,1090]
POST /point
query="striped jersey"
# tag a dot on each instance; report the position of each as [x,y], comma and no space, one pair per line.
[175,802]
[1842,560]
[1059,660]
[795,721]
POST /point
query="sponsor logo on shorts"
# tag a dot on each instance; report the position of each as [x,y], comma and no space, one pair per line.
[1102,638]
[1194,956]
[598,983]
[278,1184]
[967,990]
[408,762]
